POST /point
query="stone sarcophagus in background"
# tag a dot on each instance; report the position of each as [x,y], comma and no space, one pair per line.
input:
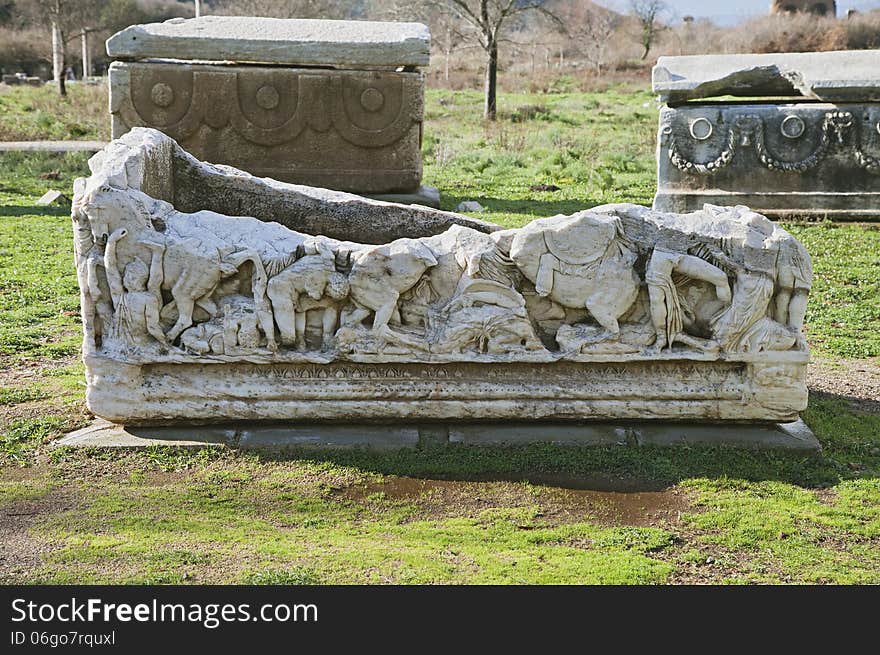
[334,104]
[805,144]
[212,295]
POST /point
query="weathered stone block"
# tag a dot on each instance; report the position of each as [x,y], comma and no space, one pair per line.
[356,131]
[194,311]
[842,75]
[816,153]
[338,127]
[286,42]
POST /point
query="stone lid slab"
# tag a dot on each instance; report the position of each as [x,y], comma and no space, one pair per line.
[840,75]
[308,42]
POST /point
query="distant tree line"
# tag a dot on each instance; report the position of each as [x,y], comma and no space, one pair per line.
[527,44]
[44,37]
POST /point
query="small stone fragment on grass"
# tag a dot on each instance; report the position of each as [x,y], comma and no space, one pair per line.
[470,206]
[53,197]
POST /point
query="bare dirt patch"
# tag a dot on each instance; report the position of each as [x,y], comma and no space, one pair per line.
[15,473]
[710,564]
[557,504]
[20,552]
[627,508]
[17,372]
[855,380]
[32,373]
[825,496]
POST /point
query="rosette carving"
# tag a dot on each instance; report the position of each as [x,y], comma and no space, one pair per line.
[162,98]
[274,106]
[374,111]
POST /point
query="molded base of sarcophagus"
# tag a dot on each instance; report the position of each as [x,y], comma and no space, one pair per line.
[764,387]
[792,436]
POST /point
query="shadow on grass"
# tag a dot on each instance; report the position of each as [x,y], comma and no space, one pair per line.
[869,406]
[599,468]
[38,210]
[526,206]
[850,440]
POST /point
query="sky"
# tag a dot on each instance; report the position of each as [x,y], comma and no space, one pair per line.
[729,12]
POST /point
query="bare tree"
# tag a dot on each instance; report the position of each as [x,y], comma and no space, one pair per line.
[590,28]
[286,9]
[54,10]
[448,33]
[648,13]
[67,19]
[489,21]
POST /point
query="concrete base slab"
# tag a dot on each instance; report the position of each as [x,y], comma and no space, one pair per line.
[427,196]
[103,434]
[51,146]
[795,436]
[782,206]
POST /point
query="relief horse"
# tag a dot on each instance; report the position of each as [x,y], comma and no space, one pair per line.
[192,266]
[583,261]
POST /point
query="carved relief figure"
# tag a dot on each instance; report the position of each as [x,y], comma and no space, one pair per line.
[135,294]
[240,327]
[330,307]
[234,329]
[669,309]
[795,275]
[306,277]
[485,311]
[204,338]
[97,307]
[191,268]
[618,280]
[379,275]
[734,283]
[487,317]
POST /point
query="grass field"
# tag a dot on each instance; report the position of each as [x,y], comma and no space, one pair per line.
[39,113]
[535,514]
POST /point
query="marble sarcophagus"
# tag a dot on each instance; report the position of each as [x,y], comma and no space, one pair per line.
[335,104]
[805,144]
[211,295]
